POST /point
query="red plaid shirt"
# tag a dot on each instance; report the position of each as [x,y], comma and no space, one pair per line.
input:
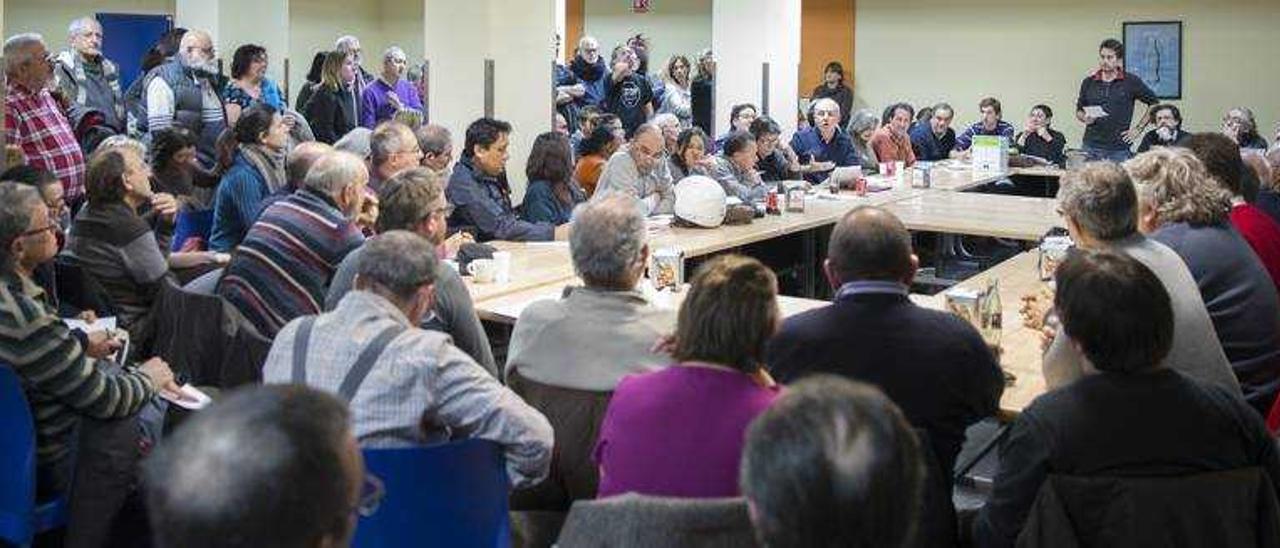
[35,123]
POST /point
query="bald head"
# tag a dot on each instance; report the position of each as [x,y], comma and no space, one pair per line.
[646,147]
[870,243]
[301,158]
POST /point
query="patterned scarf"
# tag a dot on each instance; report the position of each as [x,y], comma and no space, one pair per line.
[269,163]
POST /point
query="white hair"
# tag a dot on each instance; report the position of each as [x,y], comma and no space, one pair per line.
[394,51]
[345,43]
[588,40]
[665,119]
[82,25]
[334,172]
[17,49]
[124,142]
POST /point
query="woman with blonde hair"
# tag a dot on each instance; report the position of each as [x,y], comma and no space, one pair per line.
[331,111]
[1182,207]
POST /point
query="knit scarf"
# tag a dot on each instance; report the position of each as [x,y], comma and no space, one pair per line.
[269,163]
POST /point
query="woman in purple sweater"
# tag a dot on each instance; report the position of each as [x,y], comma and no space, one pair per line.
[679,431]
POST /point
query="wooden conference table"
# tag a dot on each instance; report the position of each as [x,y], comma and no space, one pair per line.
[542,270]
[1020,346]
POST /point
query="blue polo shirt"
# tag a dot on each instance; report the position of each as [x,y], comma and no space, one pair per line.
[808,142]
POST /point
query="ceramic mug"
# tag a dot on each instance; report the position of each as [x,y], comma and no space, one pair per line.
[483,270]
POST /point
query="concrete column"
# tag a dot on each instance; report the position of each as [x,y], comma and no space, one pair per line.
[745,34]
[517,35]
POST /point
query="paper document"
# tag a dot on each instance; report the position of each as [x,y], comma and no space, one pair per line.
[1094,111]
[190,398]
[103,324]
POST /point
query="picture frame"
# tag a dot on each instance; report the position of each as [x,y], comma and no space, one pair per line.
[1153,52]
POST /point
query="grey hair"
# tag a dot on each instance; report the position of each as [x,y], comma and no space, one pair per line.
[387,139]
[1101,199]
[664,118]
[1174,183]
[355,141]
[608,240]
[334,172]
[345,43]
[862,120]
[824,101]
[394,51]
[434,139]
[82,25]
[17,49]
[647,127]
[588,39]
[124,142]
[398,261]
[17,201]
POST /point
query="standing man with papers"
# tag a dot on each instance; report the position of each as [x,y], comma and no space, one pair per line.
[1105,105]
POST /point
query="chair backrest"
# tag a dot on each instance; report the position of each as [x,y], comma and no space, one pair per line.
[78,288]
[1224,508]
[452,494]
[633,520]
[17,459]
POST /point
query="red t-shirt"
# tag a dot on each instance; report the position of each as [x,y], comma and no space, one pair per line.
[1263,235]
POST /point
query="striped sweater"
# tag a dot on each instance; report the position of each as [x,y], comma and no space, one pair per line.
[283,267]
[62,383]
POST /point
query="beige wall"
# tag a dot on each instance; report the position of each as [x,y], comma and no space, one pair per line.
[51,17]
[1031,51]
[315,24]
[672,26]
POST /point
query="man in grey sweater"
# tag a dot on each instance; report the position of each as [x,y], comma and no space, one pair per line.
[1100,206]
[413,200]
[596,334]
[640,171]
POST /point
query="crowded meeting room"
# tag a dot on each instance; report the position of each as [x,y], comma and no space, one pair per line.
[329,273]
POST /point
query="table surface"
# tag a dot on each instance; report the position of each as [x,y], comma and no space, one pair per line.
[1020,346]
[820,209]
[532,265]
[994,215]
[542,270]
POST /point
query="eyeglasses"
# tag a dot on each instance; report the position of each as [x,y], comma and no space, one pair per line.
[52,227]
[371,494]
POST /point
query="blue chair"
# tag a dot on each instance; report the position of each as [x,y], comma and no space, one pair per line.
[20,517]
[453,494]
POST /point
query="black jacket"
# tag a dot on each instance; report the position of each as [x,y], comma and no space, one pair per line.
[932,364]
[1232,508]
[1157,424]
[331,114]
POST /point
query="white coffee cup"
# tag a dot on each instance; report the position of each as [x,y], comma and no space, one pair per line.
[502,262]
[483,270]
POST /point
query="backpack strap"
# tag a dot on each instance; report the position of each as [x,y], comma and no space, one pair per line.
[300,341]
[364,363]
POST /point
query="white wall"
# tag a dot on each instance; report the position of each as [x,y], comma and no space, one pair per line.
[746,34]
[1031,51]
[316,24]
[517,35]
[672,26]
[51,18]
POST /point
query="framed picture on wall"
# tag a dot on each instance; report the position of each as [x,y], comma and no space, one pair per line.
[1153,51]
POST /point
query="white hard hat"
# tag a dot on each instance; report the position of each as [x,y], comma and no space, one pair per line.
[700,200]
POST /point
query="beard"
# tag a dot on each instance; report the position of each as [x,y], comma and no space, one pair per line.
[199,64]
